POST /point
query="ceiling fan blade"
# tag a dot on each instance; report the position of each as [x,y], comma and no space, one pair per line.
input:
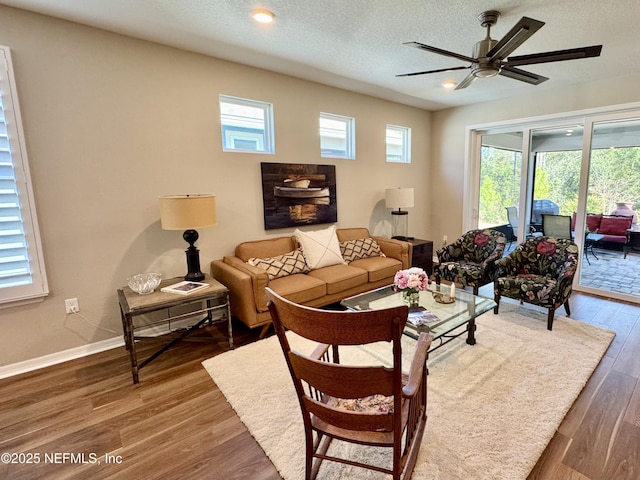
[439,51]
[556,56]
[515,37]
[431,71]
[521,75]
[468,80]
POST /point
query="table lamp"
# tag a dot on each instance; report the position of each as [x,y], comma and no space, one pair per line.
[188,212]
[399,198]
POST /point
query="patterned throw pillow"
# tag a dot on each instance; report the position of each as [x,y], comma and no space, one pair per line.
[282,265]
[360,248]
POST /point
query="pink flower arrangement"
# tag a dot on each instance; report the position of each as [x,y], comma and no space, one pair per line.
[413,278]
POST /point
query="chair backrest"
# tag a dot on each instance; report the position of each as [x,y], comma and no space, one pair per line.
[558,226]
[314,378]
[541,256]
[474,246]
[512,217]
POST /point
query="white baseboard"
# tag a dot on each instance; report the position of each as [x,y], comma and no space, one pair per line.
[85,350]
[59,357]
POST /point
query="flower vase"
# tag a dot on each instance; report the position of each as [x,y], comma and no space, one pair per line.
[411,297]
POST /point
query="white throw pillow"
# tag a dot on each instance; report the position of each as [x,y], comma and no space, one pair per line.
[320,248]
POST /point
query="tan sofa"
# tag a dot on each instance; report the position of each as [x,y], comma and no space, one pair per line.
[326,285]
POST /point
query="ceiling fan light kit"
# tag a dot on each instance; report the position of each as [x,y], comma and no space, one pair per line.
[491,57]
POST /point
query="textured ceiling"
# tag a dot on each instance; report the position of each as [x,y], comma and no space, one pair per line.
[358,44]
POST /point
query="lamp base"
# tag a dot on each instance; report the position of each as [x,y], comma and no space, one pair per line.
[400,224]
[193,257]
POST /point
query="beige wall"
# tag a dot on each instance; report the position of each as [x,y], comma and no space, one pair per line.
[449,142]
[112,122]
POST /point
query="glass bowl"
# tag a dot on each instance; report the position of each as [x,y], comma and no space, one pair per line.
[144,283]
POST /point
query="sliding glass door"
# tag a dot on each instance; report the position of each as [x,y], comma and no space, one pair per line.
[612,255]
[586,168]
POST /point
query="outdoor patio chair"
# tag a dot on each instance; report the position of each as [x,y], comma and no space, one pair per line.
[372,404]
[558,226]
[540,271]
[512,216]
[470,259]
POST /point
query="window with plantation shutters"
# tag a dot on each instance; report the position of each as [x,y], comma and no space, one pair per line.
[22,275]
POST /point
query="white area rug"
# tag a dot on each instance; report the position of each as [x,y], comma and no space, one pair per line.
[492,407]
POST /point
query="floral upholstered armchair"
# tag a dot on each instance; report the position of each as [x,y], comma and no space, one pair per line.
[539,271]
[470,259]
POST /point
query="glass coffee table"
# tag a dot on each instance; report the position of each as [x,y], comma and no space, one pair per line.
[448,321]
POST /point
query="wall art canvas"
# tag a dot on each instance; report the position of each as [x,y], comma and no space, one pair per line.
[298,194]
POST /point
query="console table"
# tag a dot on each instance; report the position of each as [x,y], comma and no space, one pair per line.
[422,254]
[165,305]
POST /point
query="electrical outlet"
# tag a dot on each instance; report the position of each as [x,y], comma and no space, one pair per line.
[71,305]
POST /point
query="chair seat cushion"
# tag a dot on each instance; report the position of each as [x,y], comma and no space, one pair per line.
[370,404]
[537,289]
[465,273]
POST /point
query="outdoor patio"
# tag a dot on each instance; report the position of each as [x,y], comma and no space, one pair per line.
[611,271]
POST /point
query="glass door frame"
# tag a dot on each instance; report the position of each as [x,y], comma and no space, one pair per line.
[471,193]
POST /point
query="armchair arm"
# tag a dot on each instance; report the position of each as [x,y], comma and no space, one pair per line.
[417,365]
[320,351]
[505,266]
[451,252]
[397,249]
[492,258]
[565,279]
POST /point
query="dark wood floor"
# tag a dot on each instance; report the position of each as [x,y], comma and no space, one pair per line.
[176,424]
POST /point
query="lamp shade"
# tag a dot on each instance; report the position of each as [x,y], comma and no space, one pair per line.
[185,212]
[398,197]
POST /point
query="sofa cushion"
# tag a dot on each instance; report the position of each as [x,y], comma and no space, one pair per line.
[615,226]
[282,265]
[361,248]
[265,248]
[299,288]
[346,234]
[378,268]
[593,222]
[339,278]
[612,239]
[320,247]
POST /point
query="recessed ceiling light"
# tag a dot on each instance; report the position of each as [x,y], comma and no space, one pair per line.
[449,84]
[262,15]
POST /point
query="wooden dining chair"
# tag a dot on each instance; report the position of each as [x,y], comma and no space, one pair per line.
[374,404]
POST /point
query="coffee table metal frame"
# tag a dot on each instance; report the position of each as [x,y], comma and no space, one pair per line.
[452,317]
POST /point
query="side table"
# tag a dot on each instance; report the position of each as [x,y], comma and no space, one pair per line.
[422,254]
[211,299]
[633,240]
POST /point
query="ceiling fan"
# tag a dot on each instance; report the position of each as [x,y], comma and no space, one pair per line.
[489,55]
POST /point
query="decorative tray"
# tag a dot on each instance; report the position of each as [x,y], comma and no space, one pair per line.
[443,298]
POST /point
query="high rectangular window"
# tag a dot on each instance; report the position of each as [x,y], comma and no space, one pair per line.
[22,273]
[337,136]
[247,125]
[398,144]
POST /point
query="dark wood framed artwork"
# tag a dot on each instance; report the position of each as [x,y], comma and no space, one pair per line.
[298,194]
